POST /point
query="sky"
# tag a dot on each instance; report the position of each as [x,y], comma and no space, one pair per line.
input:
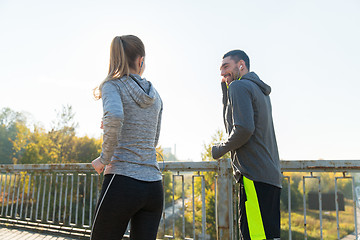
[53,53]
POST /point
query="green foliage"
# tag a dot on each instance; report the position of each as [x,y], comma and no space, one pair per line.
[312,185]
[313,224]
[6,151]
[296,195]
[84,149]
[167,181]
[209,185]
[219,136]
[328,184]
[12,126]
[20,145]
[37,147]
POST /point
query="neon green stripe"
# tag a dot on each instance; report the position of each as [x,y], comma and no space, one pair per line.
[253,214]
[228,85]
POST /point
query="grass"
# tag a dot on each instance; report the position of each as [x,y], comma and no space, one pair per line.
[346,220]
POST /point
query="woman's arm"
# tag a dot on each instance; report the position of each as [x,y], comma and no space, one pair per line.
[113,119]
[158,126]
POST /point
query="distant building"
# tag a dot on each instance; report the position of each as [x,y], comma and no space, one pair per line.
[168,155]
[167,151]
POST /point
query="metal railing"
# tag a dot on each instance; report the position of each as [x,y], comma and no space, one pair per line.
[345,167]
[62,197]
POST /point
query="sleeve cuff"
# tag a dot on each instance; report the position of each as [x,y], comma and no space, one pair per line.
[217,151]
[102,160]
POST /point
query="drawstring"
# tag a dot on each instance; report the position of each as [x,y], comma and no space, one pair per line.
[162,160]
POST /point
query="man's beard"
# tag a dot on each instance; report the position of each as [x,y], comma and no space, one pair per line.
[235,74]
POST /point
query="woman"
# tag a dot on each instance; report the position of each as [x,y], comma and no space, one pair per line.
[132,187]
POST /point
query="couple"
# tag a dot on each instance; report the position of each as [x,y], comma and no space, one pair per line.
[132,187]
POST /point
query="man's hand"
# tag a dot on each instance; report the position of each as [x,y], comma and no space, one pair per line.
[97,165]
[216,151]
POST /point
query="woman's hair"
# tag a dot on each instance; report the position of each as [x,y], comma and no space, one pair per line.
[123,53]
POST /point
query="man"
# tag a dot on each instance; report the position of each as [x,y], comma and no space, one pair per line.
[252,143]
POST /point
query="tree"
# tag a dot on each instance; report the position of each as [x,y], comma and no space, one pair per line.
[6,147]
[209,185]
[328,184]
[12,125]
[296,195]
[65,120]
[9,117]
[20,145]
[39,148]
[84,149]
[63,134]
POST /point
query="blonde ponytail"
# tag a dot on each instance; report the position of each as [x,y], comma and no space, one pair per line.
[123,52]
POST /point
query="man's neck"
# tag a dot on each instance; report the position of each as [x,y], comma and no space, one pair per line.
[243,73]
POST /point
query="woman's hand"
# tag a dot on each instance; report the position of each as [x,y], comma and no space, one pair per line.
[97,165]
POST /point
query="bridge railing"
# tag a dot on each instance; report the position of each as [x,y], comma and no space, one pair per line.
[201,197]
[348,170]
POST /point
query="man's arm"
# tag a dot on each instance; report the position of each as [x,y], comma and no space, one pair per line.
[237,138]
[243,120]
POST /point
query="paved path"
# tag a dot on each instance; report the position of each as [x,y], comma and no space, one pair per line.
[352,236]
[349,237]
[19,234]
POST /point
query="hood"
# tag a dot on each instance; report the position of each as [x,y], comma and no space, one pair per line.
[251,76]
[140,90]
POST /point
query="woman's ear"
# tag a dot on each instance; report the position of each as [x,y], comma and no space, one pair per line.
[140,62]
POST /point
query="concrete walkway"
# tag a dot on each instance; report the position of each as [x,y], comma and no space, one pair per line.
[352,236]
[19,234]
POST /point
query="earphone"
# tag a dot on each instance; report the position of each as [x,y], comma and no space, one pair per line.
[240,66]
[141,65]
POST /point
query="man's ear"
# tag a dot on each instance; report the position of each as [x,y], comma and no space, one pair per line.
[241,63]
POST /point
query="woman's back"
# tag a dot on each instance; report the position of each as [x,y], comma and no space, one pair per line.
[132,188]
[133,103]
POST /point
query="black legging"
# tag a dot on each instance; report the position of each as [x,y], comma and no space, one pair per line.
[122,199]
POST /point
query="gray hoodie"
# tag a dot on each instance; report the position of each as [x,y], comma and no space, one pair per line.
[132,118]
[248,121]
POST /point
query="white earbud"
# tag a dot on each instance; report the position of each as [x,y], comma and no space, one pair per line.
[240,66]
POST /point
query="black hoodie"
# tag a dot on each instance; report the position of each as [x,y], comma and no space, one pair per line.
[248,121]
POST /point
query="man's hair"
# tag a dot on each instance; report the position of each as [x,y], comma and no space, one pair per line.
[238,55]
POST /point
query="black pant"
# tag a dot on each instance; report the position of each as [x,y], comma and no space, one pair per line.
[123,199]
[259,209]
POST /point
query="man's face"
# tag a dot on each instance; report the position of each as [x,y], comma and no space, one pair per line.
[229,70]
